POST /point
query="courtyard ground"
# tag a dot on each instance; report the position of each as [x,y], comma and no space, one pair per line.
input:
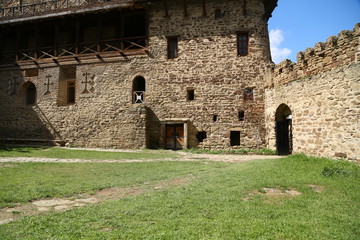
[178,195]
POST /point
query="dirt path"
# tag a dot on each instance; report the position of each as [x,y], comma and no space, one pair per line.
[183,156]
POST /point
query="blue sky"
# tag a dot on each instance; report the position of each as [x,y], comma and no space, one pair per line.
[296,25]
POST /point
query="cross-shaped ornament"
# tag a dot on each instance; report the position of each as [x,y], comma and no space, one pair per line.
[48,84]
[13,84]
[86,74]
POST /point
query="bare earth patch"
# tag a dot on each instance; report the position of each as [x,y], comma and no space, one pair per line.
[62,204]
[273,195]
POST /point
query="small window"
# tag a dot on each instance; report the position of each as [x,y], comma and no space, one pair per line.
[30,94]
[235,138]
[71,92]
[32,72]
[218,13]
[241,115]
[215,118]
[248,94]
[139,85]
[242,44]
[190,96]
[201,136]
[172,49]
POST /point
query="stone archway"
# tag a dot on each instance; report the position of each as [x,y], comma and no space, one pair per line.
[27,94]
[283,130]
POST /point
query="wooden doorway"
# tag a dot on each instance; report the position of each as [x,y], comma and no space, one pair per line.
[175,136]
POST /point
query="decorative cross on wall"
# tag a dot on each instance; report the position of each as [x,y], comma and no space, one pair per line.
[48,84]
[14,82]
[86,74]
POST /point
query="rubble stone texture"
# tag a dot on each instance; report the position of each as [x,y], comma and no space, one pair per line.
[322,89]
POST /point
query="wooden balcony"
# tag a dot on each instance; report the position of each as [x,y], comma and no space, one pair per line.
[125,46]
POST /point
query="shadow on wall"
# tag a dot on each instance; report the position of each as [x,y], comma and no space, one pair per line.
[22,121]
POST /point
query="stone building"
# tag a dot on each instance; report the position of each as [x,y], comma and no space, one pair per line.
[163,74]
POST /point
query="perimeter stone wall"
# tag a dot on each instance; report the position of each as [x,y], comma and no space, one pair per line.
[104,115]
[323,93]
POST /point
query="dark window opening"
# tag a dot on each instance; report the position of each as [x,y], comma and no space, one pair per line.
[172,47]
[139,85]
[30,94]
[215,118]
[218,13]
[201,136]
[235,138]
[241,115]
[190,94]
[32,72]
[71,92]
[249,94]
[242,44]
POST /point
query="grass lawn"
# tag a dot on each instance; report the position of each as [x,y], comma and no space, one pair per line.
[223,201]
[83,154]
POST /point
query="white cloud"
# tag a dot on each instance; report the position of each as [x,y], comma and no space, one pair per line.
[276,38]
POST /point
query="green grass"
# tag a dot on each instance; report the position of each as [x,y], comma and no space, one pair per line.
[83,154]
[262,151]
[23,182]
[213,205]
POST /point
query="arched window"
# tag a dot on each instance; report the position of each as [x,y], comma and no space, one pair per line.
[30,93]
[139,90]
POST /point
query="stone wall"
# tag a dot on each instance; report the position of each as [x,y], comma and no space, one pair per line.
[322,91]
[104,116]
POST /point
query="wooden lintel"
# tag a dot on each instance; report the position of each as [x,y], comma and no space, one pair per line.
[185,8]
[166,8]
[204,7]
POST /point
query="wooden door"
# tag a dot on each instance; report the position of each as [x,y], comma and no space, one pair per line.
[175,136]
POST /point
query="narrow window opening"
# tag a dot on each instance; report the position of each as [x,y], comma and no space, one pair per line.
[190,94]
[30,94]
[242,44]
[32,72]
[241,115]
[218,13]
[139,85]
[215,118]
[71,92]
[235,138]
[172,47]
[248,94]
[201,136]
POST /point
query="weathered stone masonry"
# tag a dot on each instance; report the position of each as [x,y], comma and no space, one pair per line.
[322,91]
[138,97]
[207,62]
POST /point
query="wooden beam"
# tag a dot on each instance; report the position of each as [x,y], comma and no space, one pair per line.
[166,8]
[244,7]
[204,7]
[185,8]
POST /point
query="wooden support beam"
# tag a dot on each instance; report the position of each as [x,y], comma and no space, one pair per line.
[166,8]
[56,42]
[204,7]
[244,7]
[185,8]
[77,33]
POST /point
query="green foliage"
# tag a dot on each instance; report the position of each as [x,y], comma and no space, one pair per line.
[340,168]
[213,206]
